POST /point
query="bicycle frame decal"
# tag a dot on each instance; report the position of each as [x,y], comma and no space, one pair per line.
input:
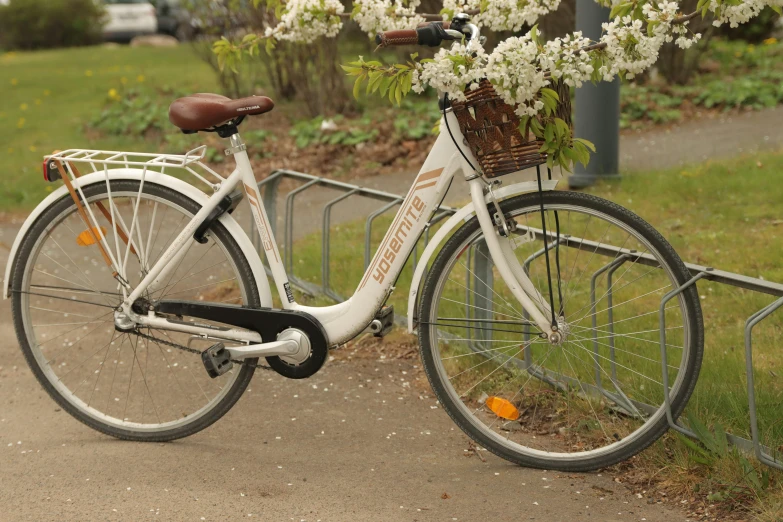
[402,225]
[261,222]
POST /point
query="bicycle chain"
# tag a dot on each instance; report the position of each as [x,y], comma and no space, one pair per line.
[197,352]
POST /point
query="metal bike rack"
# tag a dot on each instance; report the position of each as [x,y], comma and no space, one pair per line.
[698,272]
[479,281]
[269,188]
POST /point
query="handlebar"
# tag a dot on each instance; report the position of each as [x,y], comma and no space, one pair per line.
[431,34]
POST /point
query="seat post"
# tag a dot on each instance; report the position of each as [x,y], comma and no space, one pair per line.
[237,145]
[235,140]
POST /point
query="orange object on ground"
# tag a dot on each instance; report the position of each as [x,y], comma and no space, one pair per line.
[502,408]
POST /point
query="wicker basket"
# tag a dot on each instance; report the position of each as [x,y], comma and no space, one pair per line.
[492,130]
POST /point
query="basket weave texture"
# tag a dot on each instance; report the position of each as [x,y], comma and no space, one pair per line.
[491,129]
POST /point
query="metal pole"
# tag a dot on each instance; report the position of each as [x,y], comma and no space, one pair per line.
[597,115]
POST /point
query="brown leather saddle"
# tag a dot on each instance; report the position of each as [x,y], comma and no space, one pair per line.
[213,112]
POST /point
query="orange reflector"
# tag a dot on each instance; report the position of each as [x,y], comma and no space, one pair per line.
[90,236]
[502,408]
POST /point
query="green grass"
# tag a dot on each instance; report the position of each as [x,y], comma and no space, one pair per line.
[723,214]
[47,97]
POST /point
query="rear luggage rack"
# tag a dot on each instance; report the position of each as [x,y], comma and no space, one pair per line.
[103,160]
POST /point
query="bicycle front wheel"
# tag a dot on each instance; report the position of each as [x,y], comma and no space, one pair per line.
[65,296]
[593,396]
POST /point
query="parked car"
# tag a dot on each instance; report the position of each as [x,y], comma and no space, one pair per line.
[175,20]
[129,18]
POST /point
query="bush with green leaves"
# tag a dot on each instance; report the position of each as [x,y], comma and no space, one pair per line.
[40,24]
[311,132]
[134,112]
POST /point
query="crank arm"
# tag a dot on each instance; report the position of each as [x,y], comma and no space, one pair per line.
[276,348]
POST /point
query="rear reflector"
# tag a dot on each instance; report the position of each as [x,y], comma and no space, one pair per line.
[50,171]
[90,236]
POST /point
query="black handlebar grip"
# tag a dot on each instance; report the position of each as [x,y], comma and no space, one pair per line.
[433,34]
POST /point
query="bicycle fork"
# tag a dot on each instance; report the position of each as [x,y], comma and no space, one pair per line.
[507,264]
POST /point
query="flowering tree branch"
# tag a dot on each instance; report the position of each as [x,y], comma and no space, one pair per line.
[519,68]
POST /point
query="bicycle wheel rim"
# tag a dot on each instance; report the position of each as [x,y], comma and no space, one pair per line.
[641,435]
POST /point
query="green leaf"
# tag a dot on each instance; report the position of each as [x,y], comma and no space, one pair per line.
[270,45]
[356,86]
[523,121]
[386,82]
[776,8]
[534,34]
[535,126]
[375,81]
[699,454]
[704,435]
[570,155]
[407,83]
[620,10]
[550,93]
[549,132]
[563,130]
[586,143]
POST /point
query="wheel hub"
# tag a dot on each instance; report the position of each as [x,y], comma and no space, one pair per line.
[559,335]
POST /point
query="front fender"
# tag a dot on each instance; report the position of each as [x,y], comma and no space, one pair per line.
[463,215]
[186,189]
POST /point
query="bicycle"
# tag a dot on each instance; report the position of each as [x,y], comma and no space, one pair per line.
[119,273]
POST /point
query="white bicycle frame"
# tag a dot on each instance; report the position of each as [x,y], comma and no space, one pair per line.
[345,320]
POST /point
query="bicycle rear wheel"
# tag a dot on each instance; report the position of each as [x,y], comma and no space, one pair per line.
[64,298]
[596,395]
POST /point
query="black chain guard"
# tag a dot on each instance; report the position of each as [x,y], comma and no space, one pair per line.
[268,322]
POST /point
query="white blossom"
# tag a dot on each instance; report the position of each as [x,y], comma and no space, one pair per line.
[306,20]
[504,15]
[740,13]
[447,72]
[375,16]
[513,70]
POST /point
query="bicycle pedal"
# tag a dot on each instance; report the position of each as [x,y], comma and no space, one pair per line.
[217,360]
[385,318]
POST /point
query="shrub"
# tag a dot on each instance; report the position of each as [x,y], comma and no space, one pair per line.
[37,24]
[309,74]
